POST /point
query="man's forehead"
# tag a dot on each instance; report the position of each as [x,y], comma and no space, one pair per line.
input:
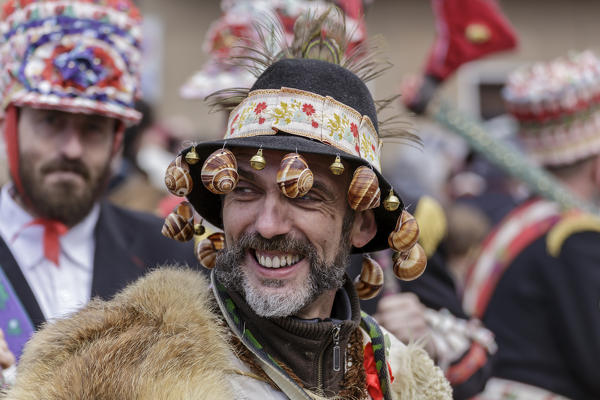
[66,114]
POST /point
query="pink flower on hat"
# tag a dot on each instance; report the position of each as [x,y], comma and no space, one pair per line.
[354,129]
[260,108]
[308,109]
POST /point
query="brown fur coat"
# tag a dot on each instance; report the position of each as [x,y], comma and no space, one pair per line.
[160,339]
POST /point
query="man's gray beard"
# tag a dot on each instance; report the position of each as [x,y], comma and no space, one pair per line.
[322,276]
[60,201]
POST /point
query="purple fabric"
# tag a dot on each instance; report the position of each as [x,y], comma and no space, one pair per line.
[78,66]
[14,321]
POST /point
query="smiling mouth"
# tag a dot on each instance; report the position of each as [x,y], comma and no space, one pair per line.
[269,260]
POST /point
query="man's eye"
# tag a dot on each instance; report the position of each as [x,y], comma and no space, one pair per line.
[243,190]
[309,197]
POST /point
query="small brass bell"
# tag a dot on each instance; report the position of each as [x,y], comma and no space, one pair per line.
[199,229]
[258,161]
[392,202]
[192,157]
[337,168]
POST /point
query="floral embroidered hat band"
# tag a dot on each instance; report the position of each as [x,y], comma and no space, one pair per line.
[300,106]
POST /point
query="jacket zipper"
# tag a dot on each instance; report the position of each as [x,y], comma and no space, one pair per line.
[335,333]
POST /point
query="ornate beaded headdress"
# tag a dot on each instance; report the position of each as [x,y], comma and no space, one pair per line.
[310,97]
[557,104]
[76,56]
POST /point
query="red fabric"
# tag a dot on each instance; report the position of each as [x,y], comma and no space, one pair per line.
[53,230]
[452,48]
[468,365]
[12,147]
[371,371]
[373,386]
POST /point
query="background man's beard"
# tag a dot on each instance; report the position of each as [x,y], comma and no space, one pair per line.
[61,201]
[322,276]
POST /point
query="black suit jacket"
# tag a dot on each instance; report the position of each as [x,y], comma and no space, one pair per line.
[128,244]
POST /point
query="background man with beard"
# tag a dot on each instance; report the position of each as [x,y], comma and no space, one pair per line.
[69,81]
[295,194]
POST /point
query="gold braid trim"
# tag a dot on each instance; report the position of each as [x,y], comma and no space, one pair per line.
[433,224]
[569,225]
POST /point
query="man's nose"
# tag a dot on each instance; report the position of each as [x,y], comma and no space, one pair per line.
[274,217]
[72,145]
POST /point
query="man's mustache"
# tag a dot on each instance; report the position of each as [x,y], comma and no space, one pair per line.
[282,243]
[66,166]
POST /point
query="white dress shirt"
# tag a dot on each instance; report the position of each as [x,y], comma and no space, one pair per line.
[60,290]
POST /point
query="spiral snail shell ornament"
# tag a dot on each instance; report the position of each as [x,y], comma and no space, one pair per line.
[364,193]
[406,233]
[410,265]
[218,240]
[370,281]
[294,177]
[178,179]
[219,172]
[206,250]
[206,253]
[179,224]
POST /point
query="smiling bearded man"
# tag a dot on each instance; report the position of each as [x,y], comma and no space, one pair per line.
[295,185]
[323,275]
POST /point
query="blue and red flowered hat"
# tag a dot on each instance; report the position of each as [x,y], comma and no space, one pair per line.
[78,56]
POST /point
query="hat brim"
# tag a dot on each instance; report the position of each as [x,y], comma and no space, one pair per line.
[208,204]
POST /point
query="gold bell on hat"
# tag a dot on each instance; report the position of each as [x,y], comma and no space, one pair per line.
[337,168]
[392,202]
[199,229]
[192,157]
[258,161]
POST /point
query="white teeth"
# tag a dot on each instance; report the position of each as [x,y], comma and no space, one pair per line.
[277,261]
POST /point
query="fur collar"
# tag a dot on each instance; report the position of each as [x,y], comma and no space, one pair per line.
[160,339]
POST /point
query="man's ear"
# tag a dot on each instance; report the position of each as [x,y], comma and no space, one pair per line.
[363,228]
[596,171]
[119,135]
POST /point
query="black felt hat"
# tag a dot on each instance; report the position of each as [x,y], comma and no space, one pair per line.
[319,78]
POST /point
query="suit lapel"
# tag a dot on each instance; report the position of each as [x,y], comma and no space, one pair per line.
[114,264]
[21,287]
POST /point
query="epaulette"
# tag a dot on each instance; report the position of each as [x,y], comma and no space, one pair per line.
[570,223]
[432,223]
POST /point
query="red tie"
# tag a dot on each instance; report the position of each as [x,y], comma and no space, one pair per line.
[53,230]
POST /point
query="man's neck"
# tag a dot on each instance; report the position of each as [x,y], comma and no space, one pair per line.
[320,307]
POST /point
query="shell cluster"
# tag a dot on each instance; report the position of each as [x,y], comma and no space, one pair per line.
[206,250]
[410,265]
[294,178]
[179,224]
[370,281]
[364,193]
[219,172]
[178,179]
